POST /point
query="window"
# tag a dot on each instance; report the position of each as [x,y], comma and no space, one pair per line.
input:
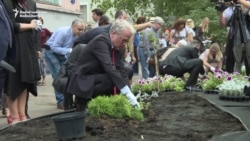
[54,2]
[83,10]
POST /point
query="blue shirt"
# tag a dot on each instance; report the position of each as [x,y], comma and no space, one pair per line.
[61,41]
[136,39]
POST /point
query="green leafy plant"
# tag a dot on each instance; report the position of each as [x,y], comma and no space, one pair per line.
[113,106]
[172,83]
[212,81]
[166,83]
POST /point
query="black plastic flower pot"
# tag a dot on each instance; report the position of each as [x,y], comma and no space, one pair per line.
[70,125]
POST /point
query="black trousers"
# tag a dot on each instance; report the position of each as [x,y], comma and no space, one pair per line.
[68,102]
[193,66]
[103,86]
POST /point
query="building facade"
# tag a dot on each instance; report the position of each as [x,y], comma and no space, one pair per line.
[58,13]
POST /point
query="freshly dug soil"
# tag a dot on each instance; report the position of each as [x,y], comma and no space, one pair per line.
[172,117]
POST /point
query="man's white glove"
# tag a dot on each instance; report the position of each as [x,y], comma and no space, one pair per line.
[132,100]
[131,97]
[212,69]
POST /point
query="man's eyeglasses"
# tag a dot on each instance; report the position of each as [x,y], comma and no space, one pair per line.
[123,40]
[80,29]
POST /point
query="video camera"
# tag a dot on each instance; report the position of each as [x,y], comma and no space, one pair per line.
[223,1]
[221,5]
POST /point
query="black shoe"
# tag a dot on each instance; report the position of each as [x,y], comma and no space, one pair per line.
[68,107]
[60,106]
[193,88]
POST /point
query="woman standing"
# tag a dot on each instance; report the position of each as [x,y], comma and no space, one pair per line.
[27,70]
[202,29]
[190,28]
[179,32]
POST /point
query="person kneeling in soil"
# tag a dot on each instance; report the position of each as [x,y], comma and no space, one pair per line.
[99,69]
[182,60]
[213,59]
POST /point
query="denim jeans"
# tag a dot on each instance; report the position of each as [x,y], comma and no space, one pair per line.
[143,62]
[135,65]
[54,64]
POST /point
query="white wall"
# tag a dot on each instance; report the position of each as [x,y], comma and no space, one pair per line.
[55,19]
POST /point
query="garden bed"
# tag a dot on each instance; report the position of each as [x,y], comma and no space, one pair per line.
[172,117]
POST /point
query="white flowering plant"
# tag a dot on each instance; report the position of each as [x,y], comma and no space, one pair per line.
[214,80]
[232,88]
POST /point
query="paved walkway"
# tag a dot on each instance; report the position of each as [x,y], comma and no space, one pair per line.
[41,105]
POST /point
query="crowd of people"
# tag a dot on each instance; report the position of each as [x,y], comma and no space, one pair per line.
[102,60]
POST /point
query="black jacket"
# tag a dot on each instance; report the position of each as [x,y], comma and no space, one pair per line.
[178,56]
[94,59]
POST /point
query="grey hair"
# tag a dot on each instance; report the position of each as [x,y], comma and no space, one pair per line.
[76,21]
[158,20]
[120,25]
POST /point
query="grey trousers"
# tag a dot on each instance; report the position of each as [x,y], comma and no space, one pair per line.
[242,54]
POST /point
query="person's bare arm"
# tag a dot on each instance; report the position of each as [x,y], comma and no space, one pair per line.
[220,63]
[142,26]
[223,20]
[205,59]
[26,26]
[171,40]
[245,3]
[189,37]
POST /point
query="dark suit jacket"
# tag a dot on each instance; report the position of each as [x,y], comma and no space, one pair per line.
[86,37]
[178,57]
[94,59]
[4,39]
[61,79]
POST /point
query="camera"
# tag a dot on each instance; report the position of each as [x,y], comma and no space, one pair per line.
[221,5]
[223,1]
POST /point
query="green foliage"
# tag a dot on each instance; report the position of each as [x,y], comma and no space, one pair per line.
[195,9]
[131,6]
[136,87]
[114,106]
[212,82]
[173,83]
[148,87]
[166,83]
